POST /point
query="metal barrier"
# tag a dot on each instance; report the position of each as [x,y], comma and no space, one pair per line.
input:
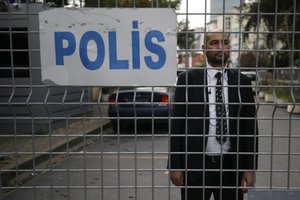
[59,142]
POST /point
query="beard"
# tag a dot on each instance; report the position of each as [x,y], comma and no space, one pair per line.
[217,58]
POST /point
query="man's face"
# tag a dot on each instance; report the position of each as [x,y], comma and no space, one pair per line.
[217,49]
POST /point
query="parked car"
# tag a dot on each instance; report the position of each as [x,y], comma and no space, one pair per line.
[139,105]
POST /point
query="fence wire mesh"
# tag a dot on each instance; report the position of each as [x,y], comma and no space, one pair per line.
[69,142]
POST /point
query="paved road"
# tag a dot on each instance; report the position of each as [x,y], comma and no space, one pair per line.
[279,159]
[135,173]
[136,164]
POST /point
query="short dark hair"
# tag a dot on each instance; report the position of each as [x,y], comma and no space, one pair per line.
[206,34]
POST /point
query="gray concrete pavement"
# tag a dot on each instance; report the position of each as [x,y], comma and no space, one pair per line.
[279,149]
[21,154]
[140,175]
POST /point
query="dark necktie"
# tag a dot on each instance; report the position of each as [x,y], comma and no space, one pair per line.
[221,122]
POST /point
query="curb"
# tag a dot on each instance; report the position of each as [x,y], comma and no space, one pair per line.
[8,178]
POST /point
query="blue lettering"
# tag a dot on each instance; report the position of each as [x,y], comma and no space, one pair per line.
[60,51]
[156,49]
[65,45]
[83,51]
[135,46]
[113,61]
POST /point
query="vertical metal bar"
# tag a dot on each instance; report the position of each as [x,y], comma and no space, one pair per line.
[16,152]
[101,144]
[257,52]
[291,83]
[152,143]
[186,95]
[28,99]
[239,70]
[84,144]
[49,124]
[67,135]
[50,141]
[50,159]
[135,142]
[67,153]
[206,104]
[187,51]
[119,158]
[17,183]
[273,92]
[169,145]
[33,152]
[223,64]
[68,157]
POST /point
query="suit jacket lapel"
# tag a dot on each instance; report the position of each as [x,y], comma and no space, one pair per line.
[202,82]
[204,90]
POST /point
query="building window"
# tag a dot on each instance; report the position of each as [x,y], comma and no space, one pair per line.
[227,23]
[14,55]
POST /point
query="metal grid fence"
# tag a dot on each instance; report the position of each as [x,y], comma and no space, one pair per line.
[57,142]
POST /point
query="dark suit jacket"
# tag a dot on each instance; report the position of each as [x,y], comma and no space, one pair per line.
[190,121]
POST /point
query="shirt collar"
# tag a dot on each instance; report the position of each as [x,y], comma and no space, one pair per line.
[211,71]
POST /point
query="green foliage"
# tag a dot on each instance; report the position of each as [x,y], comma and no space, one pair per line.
[280,90]
[281,18]
[185,32]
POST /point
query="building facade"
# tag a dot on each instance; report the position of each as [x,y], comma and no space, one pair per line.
[20,76]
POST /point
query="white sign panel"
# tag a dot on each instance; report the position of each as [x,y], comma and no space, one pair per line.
[108,47]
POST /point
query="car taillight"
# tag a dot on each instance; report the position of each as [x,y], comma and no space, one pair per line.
[112,99]
[165,99]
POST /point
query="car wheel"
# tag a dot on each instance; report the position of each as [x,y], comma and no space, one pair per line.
[117,126]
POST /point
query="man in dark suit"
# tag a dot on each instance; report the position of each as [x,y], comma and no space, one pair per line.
[213,141]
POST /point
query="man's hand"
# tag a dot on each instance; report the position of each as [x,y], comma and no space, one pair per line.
[248,180]
[176,177]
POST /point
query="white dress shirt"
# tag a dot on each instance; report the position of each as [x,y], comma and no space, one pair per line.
[213,147]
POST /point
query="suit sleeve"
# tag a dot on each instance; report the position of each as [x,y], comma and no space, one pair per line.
[177,139]
[248,129]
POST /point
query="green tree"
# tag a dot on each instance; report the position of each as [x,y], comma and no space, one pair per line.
[185,37]
[282,19]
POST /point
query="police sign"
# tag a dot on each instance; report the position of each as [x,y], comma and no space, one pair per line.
[108,47]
